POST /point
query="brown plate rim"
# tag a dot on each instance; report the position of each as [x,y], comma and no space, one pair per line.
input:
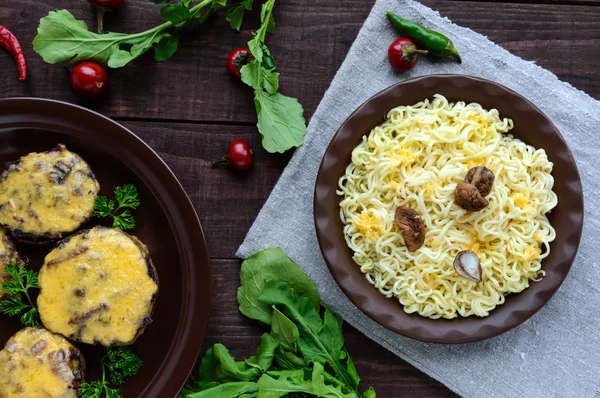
[338,256]
[29,112]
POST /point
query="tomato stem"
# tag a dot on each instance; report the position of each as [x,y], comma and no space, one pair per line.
[220,160]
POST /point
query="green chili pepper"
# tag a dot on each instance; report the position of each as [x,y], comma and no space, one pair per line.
[436,43]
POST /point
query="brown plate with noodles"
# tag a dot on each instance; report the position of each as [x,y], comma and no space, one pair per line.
[448,208]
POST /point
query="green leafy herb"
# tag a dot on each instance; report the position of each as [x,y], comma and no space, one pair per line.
[119,363]
[284,330]
[280,118]
[122,363]
[19,302]
[302,356]
[62,38]
[262,267]
[279,384]
[94,389]
[127,199]
[320,340]
[235,14]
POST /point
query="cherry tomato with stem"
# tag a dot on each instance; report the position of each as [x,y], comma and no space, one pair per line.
[88,79]
[403,54]
[240,156]
[238,58]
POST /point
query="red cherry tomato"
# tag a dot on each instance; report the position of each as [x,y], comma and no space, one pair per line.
[88,79]
[403,54]
[112,4]
[238,58]
[240,155]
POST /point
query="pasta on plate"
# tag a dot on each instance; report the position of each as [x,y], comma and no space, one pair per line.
[415,159]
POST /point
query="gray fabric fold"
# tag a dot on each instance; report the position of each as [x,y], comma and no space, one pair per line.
[554,354]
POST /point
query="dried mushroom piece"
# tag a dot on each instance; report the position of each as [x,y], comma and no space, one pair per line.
[482,178]
[468,266]
[412,227]
[469,198]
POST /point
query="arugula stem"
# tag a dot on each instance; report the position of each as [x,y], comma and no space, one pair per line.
[333,362]
[100,19]
[194,10]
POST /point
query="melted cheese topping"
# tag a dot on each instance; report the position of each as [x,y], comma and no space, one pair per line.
[50,192]
[95,288]
[36,363]
[8,256]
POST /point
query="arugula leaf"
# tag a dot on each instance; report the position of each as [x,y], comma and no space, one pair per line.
[287,360]
[62,38]
[265,266]
[19,302]
[175,13]
[121,363]
[235,14]
[322,367]
[245,389]
[263,359]
[166,47]
[319,342]
[279,384]
[370,393]
[284,330]
[280,119]
[127,198]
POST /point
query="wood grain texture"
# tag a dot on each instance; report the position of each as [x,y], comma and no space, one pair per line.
[227,202]
[391,376]
[312,41]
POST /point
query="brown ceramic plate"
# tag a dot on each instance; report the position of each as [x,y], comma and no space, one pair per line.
[532,127]
[166,222]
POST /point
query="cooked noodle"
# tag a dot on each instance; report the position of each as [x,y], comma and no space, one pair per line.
[415,159]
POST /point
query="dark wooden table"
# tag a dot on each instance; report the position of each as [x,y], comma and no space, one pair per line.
[189,109]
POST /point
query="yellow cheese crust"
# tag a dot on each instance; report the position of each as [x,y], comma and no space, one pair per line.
[36,363]
[8,255]
[98,286]
[47,193]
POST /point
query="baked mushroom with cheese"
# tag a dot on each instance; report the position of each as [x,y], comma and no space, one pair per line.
[8,255]
[46,195]
[37,363]
[98,286]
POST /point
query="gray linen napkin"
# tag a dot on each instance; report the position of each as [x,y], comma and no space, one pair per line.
[554,354]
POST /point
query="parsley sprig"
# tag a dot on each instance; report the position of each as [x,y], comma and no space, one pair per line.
[127,200]
[19,302]
[119,363]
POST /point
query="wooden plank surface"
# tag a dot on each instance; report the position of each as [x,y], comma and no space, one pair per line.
[189,109]
[312,41]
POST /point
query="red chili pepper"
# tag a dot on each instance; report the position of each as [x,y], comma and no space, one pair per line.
[11,44]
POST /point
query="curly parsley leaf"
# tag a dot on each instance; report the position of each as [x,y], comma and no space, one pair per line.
[19,302]
[122,363]
[127,198]
[280,118]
